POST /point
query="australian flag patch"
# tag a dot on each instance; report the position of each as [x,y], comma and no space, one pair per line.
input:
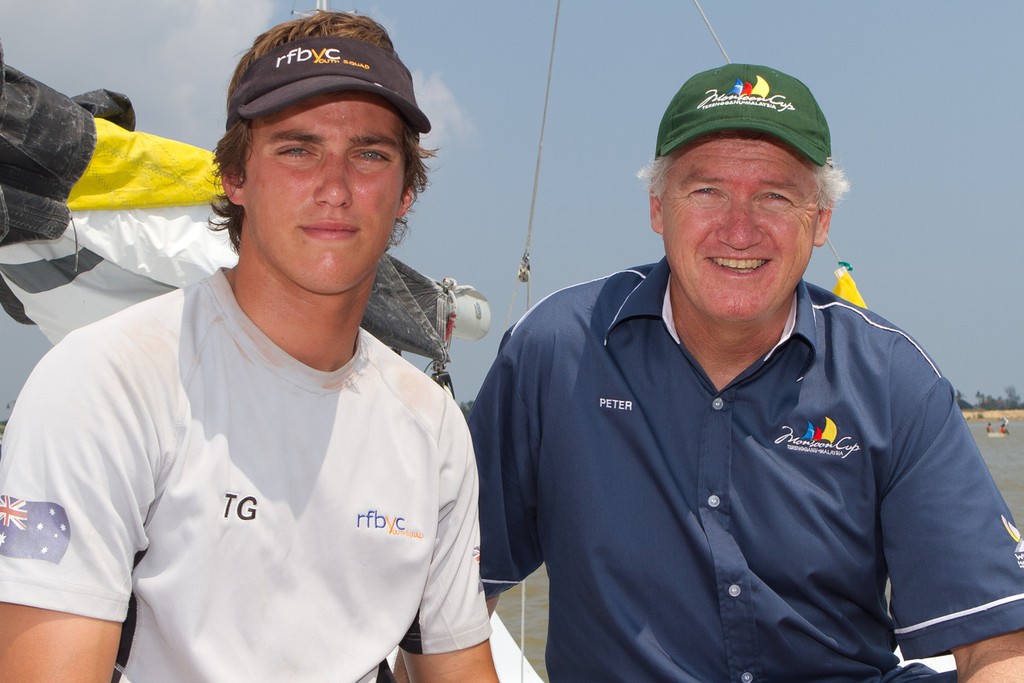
[33,530]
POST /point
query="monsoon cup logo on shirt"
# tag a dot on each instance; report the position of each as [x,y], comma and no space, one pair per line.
[745,94]
[823,439]
[33,530]
[1015,535]
[393,525]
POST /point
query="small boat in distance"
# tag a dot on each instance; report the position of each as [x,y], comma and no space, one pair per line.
[1000,433]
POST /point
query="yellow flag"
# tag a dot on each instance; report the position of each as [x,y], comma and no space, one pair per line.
[132,170]
[846,288]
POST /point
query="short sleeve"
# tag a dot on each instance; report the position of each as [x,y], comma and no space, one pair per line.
[78,443]
[951,556]
[505,439]
[452,614]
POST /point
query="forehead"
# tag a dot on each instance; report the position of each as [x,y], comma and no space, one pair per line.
[350,106]
[741,152]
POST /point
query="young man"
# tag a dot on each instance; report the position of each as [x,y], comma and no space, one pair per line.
[721,465]
[234,482]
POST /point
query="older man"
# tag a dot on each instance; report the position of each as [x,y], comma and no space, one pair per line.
[723,466]
[241,484]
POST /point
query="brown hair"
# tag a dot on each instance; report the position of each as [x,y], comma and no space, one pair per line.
[233,149]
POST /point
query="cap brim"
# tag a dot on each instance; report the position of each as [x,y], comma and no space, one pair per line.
[805,147]
[293,93]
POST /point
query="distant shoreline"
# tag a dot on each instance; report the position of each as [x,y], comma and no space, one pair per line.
[993,415]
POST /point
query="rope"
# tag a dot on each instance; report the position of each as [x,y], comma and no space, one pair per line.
[523,274]
[713,34]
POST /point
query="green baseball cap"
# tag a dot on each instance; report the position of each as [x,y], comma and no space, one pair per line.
[746,97]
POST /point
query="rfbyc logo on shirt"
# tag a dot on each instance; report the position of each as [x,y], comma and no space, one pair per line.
[821,440]
[394,526]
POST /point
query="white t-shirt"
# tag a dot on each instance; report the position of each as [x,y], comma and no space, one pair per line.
[295,523]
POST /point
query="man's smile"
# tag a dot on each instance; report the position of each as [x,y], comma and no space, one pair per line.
[747,265]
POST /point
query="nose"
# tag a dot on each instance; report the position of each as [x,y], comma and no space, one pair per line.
[739,228]
[334,187]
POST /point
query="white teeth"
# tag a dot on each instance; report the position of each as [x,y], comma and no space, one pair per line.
[743,265]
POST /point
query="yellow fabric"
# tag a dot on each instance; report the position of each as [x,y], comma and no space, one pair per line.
[846,288]
[132,170]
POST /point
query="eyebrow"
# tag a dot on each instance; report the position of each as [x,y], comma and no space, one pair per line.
[370,139]
[706,178]
[375,139]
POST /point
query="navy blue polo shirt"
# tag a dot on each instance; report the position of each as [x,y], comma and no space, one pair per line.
[691,534]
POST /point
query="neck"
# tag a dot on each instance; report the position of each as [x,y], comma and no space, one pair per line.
[724,354]
[319,331]
[725,349]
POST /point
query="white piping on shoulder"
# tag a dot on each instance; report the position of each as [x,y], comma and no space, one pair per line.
[903,334]
[623,304]
[578,284]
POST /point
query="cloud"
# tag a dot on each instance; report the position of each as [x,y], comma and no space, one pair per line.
[447,119]
[193,60]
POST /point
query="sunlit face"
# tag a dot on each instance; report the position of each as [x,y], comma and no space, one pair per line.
[323,186]
[739,218]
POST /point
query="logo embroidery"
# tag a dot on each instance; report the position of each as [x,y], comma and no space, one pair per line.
[743,93]
[1015,535]
[328,55]
[394,526]
[823,440]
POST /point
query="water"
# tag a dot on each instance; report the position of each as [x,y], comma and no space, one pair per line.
[1005,459]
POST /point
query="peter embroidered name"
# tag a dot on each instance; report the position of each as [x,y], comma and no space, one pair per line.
[614,404]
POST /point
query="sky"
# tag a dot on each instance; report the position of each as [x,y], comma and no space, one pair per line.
[923,98]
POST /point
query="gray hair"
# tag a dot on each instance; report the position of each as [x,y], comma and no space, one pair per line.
[831,180]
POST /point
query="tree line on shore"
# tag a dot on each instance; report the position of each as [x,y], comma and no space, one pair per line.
[1011,401]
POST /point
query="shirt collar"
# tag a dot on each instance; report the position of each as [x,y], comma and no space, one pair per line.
[645,300]
[666,316]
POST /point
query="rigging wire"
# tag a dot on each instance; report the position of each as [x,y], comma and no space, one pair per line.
[523,276]
[841,262]
[712,30]
[524,264]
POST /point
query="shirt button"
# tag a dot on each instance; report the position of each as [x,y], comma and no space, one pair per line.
[735,590]
[747,677]
[714,501]
[718,403]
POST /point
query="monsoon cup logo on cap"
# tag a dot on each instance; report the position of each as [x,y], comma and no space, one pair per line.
[746,97]
[824,439]
[745,94]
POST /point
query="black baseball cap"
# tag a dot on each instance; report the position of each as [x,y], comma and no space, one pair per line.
[306,67]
